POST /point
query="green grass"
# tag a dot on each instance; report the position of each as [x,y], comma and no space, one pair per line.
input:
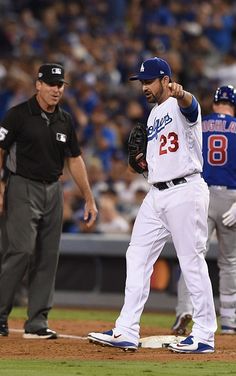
[149,319]
[114,368]
[108,367]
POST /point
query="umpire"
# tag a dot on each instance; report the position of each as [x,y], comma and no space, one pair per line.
[38,138]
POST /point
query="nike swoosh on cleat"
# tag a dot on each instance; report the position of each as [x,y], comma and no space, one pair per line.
[117,336]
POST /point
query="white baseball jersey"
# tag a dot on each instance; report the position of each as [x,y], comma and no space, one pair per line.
[174,148]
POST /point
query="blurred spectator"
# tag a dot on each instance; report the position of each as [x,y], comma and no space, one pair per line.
[72,201]
[126,188]
[101,137]
[101,44]
[218,21]
[139,195]
[110,221]
[225,72]
[97,176]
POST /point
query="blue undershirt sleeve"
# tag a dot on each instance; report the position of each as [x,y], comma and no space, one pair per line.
[191,112]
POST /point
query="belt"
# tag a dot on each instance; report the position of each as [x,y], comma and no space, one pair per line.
[168,184]
[37,180]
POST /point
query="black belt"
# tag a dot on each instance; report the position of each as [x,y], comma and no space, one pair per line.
[169,184]
[37,180]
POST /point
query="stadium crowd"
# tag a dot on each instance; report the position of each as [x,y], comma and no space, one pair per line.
[102,43]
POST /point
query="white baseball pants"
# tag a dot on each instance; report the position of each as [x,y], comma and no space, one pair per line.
[179,212]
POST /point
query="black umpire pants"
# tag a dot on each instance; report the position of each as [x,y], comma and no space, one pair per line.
[33,220]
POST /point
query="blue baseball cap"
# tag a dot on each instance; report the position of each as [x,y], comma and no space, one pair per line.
[153,68]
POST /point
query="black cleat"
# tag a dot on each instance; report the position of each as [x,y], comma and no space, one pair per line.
[4,329]
[43,333]
[181,323]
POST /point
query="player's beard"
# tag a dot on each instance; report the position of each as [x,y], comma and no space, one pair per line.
[150,96]
[158,97]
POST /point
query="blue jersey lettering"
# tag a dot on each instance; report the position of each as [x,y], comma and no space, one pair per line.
[159,125]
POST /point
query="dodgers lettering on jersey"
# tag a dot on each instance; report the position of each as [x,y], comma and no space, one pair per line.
[174,147]
[219,150]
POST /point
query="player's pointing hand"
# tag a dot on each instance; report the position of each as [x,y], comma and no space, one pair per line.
[183,97]
[176,90]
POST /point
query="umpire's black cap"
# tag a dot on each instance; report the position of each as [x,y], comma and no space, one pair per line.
[153,68]
[51,73]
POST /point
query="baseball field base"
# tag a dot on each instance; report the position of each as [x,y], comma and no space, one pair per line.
[157,342]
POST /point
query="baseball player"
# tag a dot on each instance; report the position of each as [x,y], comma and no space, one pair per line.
[219,171]
[176,206]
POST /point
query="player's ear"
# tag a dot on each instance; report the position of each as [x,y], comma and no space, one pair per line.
[165,81]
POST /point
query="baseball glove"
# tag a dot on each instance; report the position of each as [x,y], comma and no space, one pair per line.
[137,147]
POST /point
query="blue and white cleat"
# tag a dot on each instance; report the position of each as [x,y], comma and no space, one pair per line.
[112,339]
[192,346]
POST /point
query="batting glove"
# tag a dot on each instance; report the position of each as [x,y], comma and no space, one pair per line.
[229,217]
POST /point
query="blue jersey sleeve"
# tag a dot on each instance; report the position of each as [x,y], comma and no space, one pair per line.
[191,112]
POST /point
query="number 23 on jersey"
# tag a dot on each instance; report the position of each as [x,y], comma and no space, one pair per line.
[169,143]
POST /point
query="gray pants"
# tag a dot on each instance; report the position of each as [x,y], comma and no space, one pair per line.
[220,201]
[33,220]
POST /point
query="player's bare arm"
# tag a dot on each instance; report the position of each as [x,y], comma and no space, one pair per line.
[77,170]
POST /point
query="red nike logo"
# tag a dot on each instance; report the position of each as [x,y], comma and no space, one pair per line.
[117,336]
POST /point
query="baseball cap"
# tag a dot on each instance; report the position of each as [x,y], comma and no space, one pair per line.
[50,73]
[152,68]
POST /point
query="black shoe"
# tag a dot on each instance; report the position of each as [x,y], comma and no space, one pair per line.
[43,333]
[4,329]
[181,323]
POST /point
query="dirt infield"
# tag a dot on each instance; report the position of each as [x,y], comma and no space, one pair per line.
[15,347]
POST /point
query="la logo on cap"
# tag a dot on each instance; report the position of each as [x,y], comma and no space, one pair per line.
[142,68]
